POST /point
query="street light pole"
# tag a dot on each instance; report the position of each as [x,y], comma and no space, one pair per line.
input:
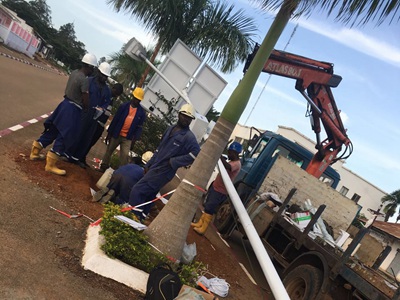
[135,50]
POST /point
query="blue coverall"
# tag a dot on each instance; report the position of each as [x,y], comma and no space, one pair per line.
[175,151]
[64,123]
[61,127]
[122,181]
[99,96]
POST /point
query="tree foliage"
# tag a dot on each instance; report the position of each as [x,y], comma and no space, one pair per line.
[66,46]
[126,70]
[37,14]
[212,29]
[391,202]
[212,114]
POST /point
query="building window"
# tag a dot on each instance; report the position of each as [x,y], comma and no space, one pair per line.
[355,197]
[344,190]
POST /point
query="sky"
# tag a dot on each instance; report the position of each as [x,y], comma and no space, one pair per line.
[367,58]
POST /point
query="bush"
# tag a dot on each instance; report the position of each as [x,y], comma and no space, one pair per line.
[130,246]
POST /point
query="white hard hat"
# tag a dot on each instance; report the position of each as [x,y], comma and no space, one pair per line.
[147,156]
[90,59]
[105,69]
[188,110]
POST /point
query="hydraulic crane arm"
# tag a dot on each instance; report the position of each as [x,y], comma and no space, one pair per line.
[314,80]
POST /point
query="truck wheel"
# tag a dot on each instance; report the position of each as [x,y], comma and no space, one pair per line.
[223,220]
[303,282]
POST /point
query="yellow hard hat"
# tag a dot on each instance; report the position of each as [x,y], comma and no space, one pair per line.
[188,110]
[147,156]
[138,93]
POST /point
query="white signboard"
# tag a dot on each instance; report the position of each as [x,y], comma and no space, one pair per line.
[205,89]
[178,67]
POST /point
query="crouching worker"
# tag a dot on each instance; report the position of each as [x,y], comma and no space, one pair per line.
[122,181]
[217,192]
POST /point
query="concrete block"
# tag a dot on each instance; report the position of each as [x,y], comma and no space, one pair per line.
[95,260]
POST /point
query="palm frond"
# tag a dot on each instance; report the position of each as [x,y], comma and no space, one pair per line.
[353,12]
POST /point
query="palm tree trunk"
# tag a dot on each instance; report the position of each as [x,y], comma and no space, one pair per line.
[148,68]
[169,230]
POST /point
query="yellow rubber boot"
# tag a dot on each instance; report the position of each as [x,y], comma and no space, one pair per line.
[199,223]
[206,221]
[51,160]
[35,152]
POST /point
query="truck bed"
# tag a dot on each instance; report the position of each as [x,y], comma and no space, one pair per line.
[284,242]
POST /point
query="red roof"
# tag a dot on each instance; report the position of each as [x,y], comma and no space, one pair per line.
[390,228]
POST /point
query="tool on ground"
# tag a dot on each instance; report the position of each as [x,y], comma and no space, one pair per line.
[71,216]
[204,287]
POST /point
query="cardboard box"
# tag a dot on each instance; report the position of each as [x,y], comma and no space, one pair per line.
[301,219]
[190,291]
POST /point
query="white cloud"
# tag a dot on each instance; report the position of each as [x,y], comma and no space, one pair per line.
[356,40]
[284,96]
[344,117]
[108,24]
[375,157]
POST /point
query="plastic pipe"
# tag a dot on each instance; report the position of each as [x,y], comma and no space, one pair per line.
[273,279]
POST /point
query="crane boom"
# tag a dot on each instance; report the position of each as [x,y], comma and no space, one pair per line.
[314,80]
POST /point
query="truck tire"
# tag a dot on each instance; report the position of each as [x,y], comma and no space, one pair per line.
[303,282]
[223,220]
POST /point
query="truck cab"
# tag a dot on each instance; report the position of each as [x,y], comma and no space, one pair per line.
[257,161]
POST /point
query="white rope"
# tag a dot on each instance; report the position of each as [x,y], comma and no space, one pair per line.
[216,285]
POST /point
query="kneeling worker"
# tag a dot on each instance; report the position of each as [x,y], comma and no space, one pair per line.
[122,181]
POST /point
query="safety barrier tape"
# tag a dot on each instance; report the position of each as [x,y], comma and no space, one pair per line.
[9,130]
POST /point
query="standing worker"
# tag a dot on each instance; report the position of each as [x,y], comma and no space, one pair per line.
[63,124]
[116,91]
[99,101]
[217,192]
[178,148]
[125,128]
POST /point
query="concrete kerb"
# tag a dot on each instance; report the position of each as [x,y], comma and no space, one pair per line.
[30,63]
[95,260]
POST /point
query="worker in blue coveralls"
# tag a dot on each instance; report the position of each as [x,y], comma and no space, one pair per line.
[116,91]
[125,128]
[122,181]
[99,101]
[178,148]
[63,124]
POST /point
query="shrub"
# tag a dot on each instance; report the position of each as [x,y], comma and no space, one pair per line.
[131,246]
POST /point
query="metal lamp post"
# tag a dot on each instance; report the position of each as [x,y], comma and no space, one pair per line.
[136,50]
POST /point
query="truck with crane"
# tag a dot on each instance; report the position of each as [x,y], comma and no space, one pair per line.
[312,266]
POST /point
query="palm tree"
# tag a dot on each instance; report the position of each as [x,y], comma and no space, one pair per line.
[126,70]
[392,201]
[210,28]
[169,230]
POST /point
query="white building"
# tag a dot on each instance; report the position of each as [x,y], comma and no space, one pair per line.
[16,34]
[351,185]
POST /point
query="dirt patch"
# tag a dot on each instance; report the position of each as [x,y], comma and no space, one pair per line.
[74,190]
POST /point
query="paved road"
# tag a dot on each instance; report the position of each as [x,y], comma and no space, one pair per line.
[17,82]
